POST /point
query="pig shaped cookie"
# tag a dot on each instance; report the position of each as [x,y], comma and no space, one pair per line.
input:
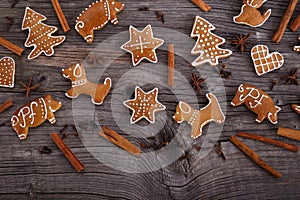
[96,16]
[257,101]
[33,114]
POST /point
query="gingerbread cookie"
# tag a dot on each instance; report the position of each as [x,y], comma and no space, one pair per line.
[39,34]
[144,105]
[80,84]
[199,118]
[265,62]
[250,15]
[142,45]
[296,108]
[207,44]
[34,114]
[96,16]
[7,72]
[257,101]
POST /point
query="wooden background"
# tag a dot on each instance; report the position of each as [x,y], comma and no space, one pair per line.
[24,173]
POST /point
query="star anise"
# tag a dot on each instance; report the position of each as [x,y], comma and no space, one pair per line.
[225,74]
[29,87]
[160,16]
[292,78]
[240,42]
[197,82]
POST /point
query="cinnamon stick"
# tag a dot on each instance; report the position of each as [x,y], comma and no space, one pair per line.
[171,65]
[6,105]
[254,156]
[295,24]
[284,145]
[10,46]
[118,140]
[201,4]
[67,152]
[289,133]
[284,21]
[61,17]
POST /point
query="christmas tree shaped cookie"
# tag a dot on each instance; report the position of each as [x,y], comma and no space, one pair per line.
[39,34]
[207,44]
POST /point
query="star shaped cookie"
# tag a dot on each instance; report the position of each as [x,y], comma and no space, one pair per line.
[142,45]
[144,105]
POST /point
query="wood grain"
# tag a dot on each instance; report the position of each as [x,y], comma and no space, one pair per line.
[25,173]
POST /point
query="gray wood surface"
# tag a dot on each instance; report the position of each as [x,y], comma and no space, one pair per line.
[26,174]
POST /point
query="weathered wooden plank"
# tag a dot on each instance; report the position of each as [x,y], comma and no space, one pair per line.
[27,174]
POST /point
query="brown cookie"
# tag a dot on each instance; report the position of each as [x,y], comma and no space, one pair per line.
[207,44]
[80,84]
[257,101]
[142,45]
[264,61]
[96,16]
[250,15]
[296,108]
[7,72]
[33,114]
[39,34]
[144,105]
[199,118]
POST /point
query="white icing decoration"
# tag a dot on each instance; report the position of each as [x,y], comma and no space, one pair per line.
[263,59]
[206,57]
[141,108]
[141,45]
[52,29]
[7,72]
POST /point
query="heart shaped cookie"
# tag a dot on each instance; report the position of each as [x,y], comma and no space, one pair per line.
[7,72]
[265,62]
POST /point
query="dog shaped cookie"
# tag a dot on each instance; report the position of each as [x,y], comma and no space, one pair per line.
[96,16]
[80,84]
[250,15]
[257,101]
[34,114]
[199,118]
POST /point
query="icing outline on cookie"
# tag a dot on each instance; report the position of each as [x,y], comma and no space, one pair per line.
[80,84]
[277,63]
[100,7]
[253,9]
[33,114]
[207,54]
[12,75]
[151,112]
[49,35]
[197,119]
[159,42]
[257,101]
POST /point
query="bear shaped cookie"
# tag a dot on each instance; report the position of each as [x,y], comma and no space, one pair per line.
[33,114]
